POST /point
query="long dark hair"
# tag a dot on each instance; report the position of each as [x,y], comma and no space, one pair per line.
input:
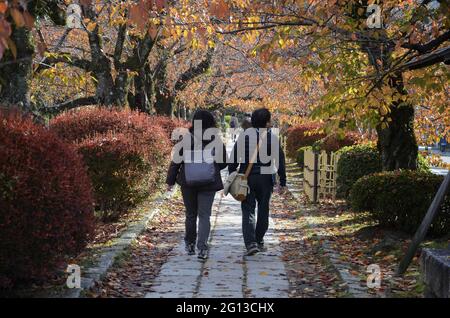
[207,119]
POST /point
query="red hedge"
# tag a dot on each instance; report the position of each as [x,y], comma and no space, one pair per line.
[126,153]
[301,136]
[79,124]
[170,124]
[95,120]
[334,142]
[46,205]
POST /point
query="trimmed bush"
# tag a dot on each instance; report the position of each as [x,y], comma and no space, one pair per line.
[301,156]
[361,160]
[355,162]
[46,204]
[334,142]
[126,154]
[169,124]
[87,122]
[301,136]
[400,200]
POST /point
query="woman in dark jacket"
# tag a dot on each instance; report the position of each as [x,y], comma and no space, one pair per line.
[198,200]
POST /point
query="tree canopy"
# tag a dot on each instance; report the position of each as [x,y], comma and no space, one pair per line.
[358,64]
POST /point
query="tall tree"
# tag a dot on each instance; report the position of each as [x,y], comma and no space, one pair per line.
[17,19]
[362,68]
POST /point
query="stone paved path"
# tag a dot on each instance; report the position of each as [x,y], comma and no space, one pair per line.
[227,272]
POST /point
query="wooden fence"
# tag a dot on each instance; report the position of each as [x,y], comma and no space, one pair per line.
[319,175]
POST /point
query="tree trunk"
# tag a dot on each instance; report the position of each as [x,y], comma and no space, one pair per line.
[397,141]
[183,112]
[105,83]
[164,104]
[144,90]
[15,77]
[121,87]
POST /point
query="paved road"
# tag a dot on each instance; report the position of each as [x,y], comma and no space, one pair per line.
[227,272]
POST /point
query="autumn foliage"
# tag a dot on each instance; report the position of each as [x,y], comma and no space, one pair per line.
[46,205]
[301,136]
[169,124]
[126,154]
[334,142]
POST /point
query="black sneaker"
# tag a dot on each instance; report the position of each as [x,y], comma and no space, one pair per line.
[190,248]
[262,247]
[202,254]
[252,250]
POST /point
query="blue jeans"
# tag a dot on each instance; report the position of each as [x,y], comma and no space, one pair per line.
[254,227]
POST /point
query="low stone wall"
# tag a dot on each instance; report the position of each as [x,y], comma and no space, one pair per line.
[435,267]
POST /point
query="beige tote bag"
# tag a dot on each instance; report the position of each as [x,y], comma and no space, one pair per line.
[236,183]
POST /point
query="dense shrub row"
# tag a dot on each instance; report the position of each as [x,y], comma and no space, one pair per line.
[334,142]
[400,199]
[46,206]
[301,136]
[329,143]
[169,124]
[361,160]
[52,179]
[126,153]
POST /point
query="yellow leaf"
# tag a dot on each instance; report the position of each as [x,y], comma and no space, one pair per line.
[91,26]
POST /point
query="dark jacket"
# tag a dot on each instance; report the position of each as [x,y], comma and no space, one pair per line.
[176,171]
[242,163]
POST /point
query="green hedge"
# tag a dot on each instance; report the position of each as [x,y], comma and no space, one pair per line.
[361,160]
[355,162]
[400,200]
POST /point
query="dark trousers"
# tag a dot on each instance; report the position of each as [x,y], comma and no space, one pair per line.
[197,204]
[261,188]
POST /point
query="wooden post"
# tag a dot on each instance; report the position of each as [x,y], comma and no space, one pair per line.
[316,177]
[425,225]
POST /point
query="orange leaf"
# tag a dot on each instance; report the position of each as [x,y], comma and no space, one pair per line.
[29,20]
[3,7]
[139,14]
[220,9]
[17,17]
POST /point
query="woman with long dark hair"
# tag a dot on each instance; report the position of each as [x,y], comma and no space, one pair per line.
[199,180]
